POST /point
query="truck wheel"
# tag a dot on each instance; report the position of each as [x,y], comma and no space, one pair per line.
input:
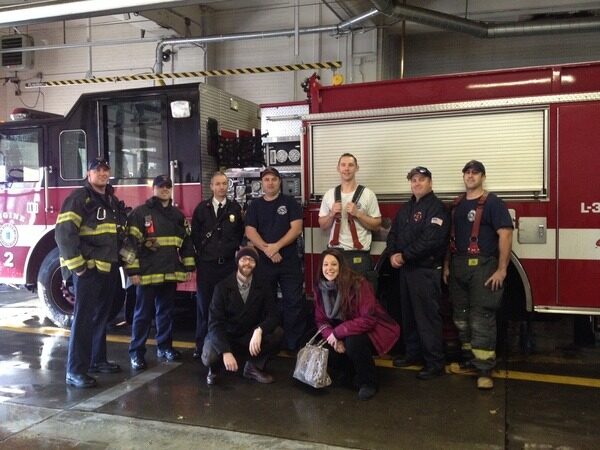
[57,306]
[58,301]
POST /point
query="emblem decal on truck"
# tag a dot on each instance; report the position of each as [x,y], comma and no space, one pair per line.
[8,235]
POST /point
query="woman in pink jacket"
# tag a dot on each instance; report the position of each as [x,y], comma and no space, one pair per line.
[353,323]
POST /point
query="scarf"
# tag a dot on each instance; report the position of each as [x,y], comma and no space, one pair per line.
[332,301]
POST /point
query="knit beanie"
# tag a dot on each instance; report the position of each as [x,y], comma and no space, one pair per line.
[246,251]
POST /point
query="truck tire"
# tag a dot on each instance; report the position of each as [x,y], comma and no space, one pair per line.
[58,305]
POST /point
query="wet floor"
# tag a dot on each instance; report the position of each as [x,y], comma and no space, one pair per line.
[548,400]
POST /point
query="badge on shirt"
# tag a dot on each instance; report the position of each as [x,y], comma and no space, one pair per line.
[471,216]
[231,218]
[282,210]
[472,262]
[418,216]
[437,221]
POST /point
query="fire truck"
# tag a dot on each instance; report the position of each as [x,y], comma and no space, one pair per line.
[180,130]
[535,129]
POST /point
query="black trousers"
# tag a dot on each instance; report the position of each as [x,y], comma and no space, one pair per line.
[208,274]
[94,294]
[293,307]
[240,348]
[420,294]
[356,366]
[153,301]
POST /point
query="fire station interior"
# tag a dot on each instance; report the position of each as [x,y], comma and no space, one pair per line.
[185,88]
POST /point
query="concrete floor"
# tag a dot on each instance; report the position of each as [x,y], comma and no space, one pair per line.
[549,400]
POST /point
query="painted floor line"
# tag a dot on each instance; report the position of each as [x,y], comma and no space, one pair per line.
[139,380]
[500,374]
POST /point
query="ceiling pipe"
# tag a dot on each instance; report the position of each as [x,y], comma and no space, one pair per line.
[335,29]
[485,29]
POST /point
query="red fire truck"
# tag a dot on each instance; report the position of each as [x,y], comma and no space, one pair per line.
[535,129]
[142,132]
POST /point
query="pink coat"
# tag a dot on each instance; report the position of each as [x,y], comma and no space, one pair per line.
[369,317]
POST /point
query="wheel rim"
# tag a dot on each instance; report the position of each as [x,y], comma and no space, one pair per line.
[64,302]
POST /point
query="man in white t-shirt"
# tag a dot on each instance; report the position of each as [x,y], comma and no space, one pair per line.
[351,214]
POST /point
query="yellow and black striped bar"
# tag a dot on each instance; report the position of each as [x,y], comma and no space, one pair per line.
[196,74]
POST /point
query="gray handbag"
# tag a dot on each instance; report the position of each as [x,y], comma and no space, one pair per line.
[311,363]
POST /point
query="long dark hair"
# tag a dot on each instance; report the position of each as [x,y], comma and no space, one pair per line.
[348,281]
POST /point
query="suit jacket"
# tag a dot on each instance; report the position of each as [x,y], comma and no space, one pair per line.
[229,317]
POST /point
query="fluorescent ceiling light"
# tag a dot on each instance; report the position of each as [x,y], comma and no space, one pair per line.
[81,9]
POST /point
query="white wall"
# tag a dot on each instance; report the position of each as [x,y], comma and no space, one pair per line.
[128,59]
[74,63]
[426,53]
[280,87]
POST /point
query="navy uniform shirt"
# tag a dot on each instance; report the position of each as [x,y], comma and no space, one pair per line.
[272,221]
[495,216]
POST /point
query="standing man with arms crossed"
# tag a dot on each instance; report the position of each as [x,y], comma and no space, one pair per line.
[417,243]
[217,232]
[88,232]
[273,224]
[352,213]
[480,246]
[165,256]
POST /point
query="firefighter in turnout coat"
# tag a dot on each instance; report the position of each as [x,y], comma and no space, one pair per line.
[164,256]
[88,231]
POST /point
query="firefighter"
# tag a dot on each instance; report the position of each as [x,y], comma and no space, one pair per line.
[480,246]
[217,232]
[88,231]
[351,212]
[417,244]
[164,256]
[273,225]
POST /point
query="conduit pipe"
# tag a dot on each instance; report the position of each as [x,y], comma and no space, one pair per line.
[485,29]
[335,29]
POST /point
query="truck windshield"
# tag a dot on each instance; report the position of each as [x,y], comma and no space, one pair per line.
[19,157]
[134,133]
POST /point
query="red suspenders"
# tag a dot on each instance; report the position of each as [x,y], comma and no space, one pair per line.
[473,248]
[335,239]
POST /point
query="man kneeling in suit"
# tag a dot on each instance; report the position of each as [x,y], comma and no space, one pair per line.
[243,323]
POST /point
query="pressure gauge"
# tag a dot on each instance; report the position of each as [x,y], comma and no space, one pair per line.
[294,155]
[282,156]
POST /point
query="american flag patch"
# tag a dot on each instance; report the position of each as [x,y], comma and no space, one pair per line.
[437,221]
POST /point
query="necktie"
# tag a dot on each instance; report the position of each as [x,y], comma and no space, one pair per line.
[219,209]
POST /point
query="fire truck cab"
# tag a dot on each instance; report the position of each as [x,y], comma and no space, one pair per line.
[142,133]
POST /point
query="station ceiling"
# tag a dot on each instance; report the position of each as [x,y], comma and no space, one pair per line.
[185,18]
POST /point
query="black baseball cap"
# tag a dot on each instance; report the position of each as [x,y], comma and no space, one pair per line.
[418,170]
[98,162]
[271,171]
[474,165]
[162,180]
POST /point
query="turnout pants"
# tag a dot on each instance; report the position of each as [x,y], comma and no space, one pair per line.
[420,293]
[94,294]
[475,306]
[154,300]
